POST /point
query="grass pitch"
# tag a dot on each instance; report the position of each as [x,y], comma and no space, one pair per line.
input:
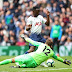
[59,67]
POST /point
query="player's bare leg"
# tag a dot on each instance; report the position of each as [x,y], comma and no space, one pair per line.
[13,60]
[7,61]
[32,48]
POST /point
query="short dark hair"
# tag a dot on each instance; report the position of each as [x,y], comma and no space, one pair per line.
[49,42]
[35,8]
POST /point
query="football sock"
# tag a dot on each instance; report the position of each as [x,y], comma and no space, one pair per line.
[6,61]
[26,52]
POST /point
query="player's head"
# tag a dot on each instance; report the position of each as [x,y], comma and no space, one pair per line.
[49,42]
[36,11]
[56,22]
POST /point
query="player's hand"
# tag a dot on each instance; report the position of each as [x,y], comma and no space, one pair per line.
[48,12]
[22,36]
[68,62]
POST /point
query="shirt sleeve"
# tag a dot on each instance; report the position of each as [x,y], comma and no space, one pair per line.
[43,20]
[58,58]
[51,33]
[29,21]
[35,43]
[60,35]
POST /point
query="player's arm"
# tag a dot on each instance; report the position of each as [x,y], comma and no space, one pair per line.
[44,21]
[28,24]
[51,33]
[48,20]
[60,35]
[28,27]
[61,60]
[30,40]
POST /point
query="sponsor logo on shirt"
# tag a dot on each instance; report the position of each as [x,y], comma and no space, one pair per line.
[38,24]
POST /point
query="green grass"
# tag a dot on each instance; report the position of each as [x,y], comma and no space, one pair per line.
[59,67]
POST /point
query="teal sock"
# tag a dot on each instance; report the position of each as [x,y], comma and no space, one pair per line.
[6,61]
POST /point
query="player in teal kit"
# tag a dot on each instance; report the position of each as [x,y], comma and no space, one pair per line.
[34,59]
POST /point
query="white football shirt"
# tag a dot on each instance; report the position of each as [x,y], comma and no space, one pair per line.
[36,23]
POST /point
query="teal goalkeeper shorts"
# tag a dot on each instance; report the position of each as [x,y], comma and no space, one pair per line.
[25,61]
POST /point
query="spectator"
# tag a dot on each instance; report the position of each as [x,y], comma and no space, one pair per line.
[16,3]
[52,2]
[44,3]
[11,8]
[56,33]
[65,4]
[1,15]
[1,37]
[61,4]
[16,12]
[68,11]
[3,23]
[63,10]
[20,42]
[38,3]
[5,41]
[1,28]
[67,37]
[11,33]
[63,27]
[11,26]
[65,19]
[28,12]
[23,5]
[22,21]
[31,4]
[5,6]
[70,33]
[19,12]
[49,7]
[5,32]
[68,42]
[8,17]
[12,40]
[63,40]
[26,5]
[47,32]
[70,24]
[55,8]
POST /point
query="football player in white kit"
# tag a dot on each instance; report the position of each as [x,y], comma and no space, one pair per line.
[35,24]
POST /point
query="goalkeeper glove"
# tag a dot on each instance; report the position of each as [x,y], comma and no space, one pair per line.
[68,62]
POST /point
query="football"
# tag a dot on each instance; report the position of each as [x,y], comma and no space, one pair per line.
[50,63]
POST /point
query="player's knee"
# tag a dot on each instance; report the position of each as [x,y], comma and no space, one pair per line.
[32,48]
[13,60]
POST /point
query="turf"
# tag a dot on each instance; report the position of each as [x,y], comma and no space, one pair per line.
[59,67]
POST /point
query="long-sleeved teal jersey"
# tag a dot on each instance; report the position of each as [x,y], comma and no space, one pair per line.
[42,53]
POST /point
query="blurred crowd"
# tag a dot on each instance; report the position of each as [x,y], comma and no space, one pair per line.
[13,17]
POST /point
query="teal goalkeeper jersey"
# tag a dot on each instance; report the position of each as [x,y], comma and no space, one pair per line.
[42,53]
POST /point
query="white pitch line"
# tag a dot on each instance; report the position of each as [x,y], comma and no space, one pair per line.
[3,71]
[60,68]
[47,69]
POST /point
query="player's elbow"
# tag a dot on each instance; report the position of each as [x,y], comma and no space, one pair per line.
[27,29]
[47,23]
